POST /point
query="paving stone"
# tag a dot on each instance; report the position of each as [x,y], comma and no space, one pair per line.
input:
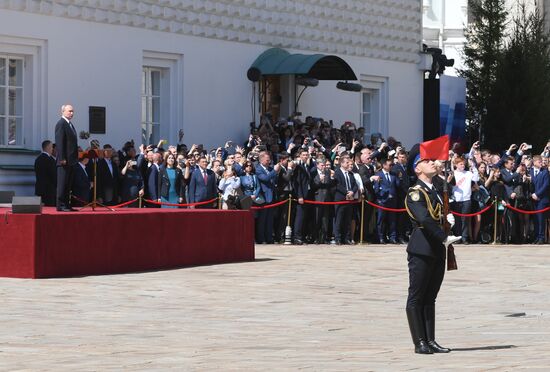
[295,308]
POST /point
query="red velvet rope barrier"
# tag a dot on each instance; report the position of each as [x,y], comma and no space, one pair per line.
[397,210]
[270,205]
[527,212]
[124,204]
[332,203]
[110,206]
[181,205]
[473,214]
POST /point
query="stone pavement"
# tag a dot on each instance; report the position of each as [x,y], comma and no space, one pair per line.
[318,308]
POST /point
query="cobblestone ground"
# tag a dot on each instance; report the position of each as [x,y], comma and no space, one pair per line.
[296,308]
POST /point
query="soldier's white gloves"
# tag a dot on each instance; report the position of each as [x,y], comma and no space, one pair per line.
[451,219]
[450,240]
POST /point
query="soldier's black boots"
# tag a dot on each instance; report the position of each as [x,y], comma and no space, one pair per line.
[429,320]
[415,317]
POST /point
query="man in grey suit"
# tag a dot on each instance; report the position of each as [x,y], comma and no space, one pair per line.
[67,156]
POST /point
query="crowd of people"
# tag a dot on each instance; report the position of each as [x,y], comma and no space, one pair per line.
[313,161]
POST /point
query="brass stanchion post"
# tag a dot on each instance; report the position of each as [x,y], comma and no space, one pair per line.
[362,219]
[495,222]
[288,230]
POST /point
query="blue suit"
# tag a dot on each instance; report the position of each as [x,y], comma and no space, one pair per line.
[200,191]
[386,196]
[264,226]
[541,187]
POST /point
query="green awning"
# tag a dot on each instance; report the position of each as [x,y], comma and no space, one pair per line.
[276,61]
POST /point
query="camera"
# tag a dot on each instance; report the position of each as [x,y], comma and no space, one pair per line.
[528,147]
[133,163]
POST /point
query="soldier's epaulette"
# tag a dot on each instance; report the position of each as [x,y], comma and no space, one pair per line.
[414,192]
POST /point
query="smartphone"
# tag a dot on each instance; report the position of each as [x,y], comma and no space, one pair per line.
[341,149]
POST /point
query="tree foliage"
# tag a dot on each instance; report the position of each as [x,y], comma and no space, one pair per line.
[484,46]
[519,106]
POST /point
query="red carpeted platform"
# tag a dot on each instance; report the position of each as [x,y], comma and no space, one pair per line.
[56,244]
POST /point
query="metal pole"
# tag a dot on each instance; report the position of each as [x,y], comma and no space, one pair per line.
[362,219]
[288,230]
[495,222]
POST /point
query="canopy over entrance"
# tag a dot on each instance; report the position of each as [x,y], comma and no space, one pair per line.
[276,61]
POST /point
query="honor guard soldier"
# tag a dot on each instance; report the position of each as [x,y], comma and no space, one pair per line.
[426,256]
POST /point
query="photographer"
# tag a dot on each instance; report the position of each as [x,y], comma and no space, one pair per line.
[230,187]
[132,183]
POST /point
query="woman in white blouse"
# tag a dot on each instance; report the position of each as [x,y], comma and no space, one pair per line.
[462,193]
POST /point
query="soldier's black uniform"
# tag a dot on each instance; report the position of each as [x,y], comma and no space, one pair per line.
[426,261]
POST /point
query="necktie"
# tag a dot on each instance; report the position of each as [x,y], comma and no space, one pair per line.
[536,172]
[388,177]
[72,127]
[348,184]
[205,176]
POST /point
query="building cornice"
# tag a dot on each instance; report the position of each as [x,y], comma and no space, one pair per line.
[382,29]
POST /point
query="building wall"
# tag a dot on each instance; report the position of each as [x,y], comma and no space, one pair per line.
[91,53]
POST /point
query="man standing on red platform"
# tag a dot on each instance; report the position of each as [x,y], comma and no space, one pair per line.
[67,156]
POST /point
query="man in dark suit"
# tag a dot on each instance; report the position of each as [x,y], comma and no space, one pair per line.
[46,176]
[510,178]
[301,187]
[399,171]
[386,196]
[82,181]
[202,186]
[426,257]
[107,178]
[346,187]
[366,170]
[540,180]
[322,184]
[283,190]
[67,156]
[153,180]
[267,176]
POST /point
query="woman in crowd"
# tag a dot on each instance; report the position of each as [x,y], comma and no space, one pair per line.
[462,192]
[170,179]
[132,185]
[479,199]
[230,187]
[249,182]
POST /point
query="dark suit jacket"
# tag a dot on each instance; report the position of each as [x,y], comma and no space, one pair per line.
[402,178]
[341,187]
[198,191]
[46,178]
[81,183]
[107,183]
[300,181]
[322,190]
[384,189]
[541,186]
[366,172]
[153,183]
[165,182]
[267,182]
[66,143]
[283,182]
[511,180]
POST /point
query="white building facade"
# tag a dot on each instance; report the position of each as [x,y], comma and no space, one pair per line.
[158,67]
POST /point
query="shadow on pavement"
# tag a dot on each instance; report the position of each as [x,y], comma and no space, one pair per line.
[484,348]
